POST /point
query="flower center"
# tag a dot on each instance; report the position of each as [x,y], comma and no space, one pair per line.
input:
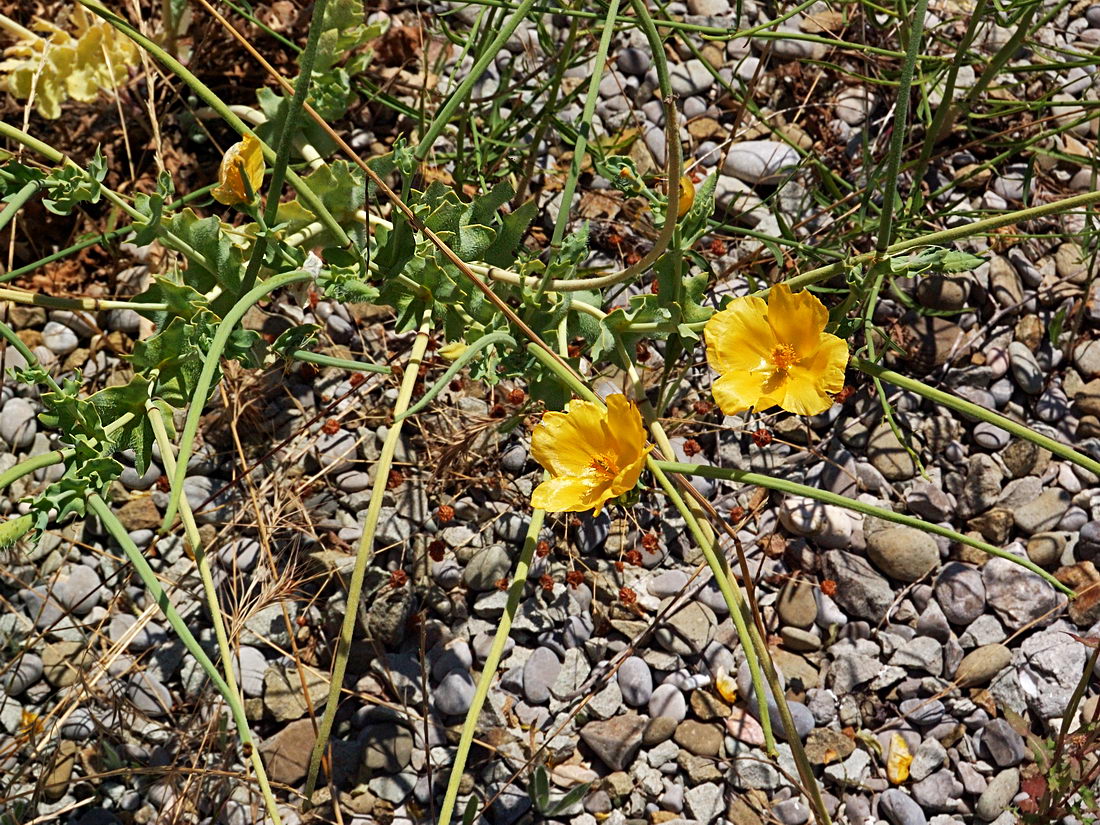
[784,357]
[605,465]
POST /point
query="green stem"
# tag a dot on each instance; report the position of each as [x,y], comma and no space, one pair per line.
[36,462]
[795,489]
[944,236]
[747,629]
[206,378]
[489,667]
[16,202]
[443,116]
[202,562]
[113,526]
[9,335]
[897,139]
[341,363]
[981,413]
[283,141]
[37,299]
[214,102]
[467,355]
[366,551]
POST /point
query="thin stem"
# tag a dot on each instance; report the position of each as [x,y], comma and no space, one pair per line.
[443,116]
[795,489]
[897,139]
[20,296]
[981,413]
[341,363]
[113,526]
[366,551]
[489,667]
[206,378]
[283,141]
[942,237]
[736,606]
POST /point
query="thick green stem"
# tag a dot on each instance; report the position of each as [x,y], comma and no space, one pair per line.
[366,552]
[17,202]
[795,489]
[113,526]
[489,667]
[981,413]
[206,378]
[38,299]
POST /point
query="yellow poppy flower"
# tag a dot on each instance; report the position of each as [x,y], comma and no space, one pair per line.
[687,196]
[592,455]
[775,354]
[231,189]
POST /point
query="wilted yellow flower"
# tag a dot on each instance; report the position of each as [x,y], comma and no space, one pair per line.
[726,685]
[592,455]
[775,354]
[453,350]
[687,195]
[245,153]
[898,760]
[76,61]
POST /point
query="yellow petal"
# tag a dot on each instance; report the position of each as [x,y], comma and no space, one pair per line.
[809,382]
[726,685]
[561,495]
[245,154]
[739,337]
[737,391]
[452,350]
[898,761]
[624,426]
[687,195]
[798,318]
[561,442]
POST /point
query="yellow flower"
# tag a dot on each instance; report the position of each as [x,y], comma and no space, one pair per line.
[231,189]
[592,455]
[776,353]
[898,760]
[687,196]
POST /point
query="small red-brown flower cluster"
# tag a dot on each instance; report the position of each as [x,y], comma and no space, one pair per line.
[398,578]
[542,549]
[762,437]
[574,578]
[634,557]
[436,549]
[546,582]
[396,479]
[692,447]
[650,541]
[503,582]
[828,587]
[444,513]
[627,596]
[516,396]
[331,427]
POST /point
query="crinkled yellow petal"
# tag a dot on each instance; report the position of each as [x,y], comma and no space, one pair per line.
[564,494]
[561,442]
[798,318]
[899,760]
[624,425]
[739,337]
[738,390]
[628,477]
[245,154]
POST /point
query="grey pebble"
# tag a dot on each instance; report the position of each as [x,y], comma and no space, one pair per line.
[960,592]
[455,693]
[540,672]
[997,795]
[26,672]
[667,701]
[899,808]
[18,424]
[635,681]
[486,568]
